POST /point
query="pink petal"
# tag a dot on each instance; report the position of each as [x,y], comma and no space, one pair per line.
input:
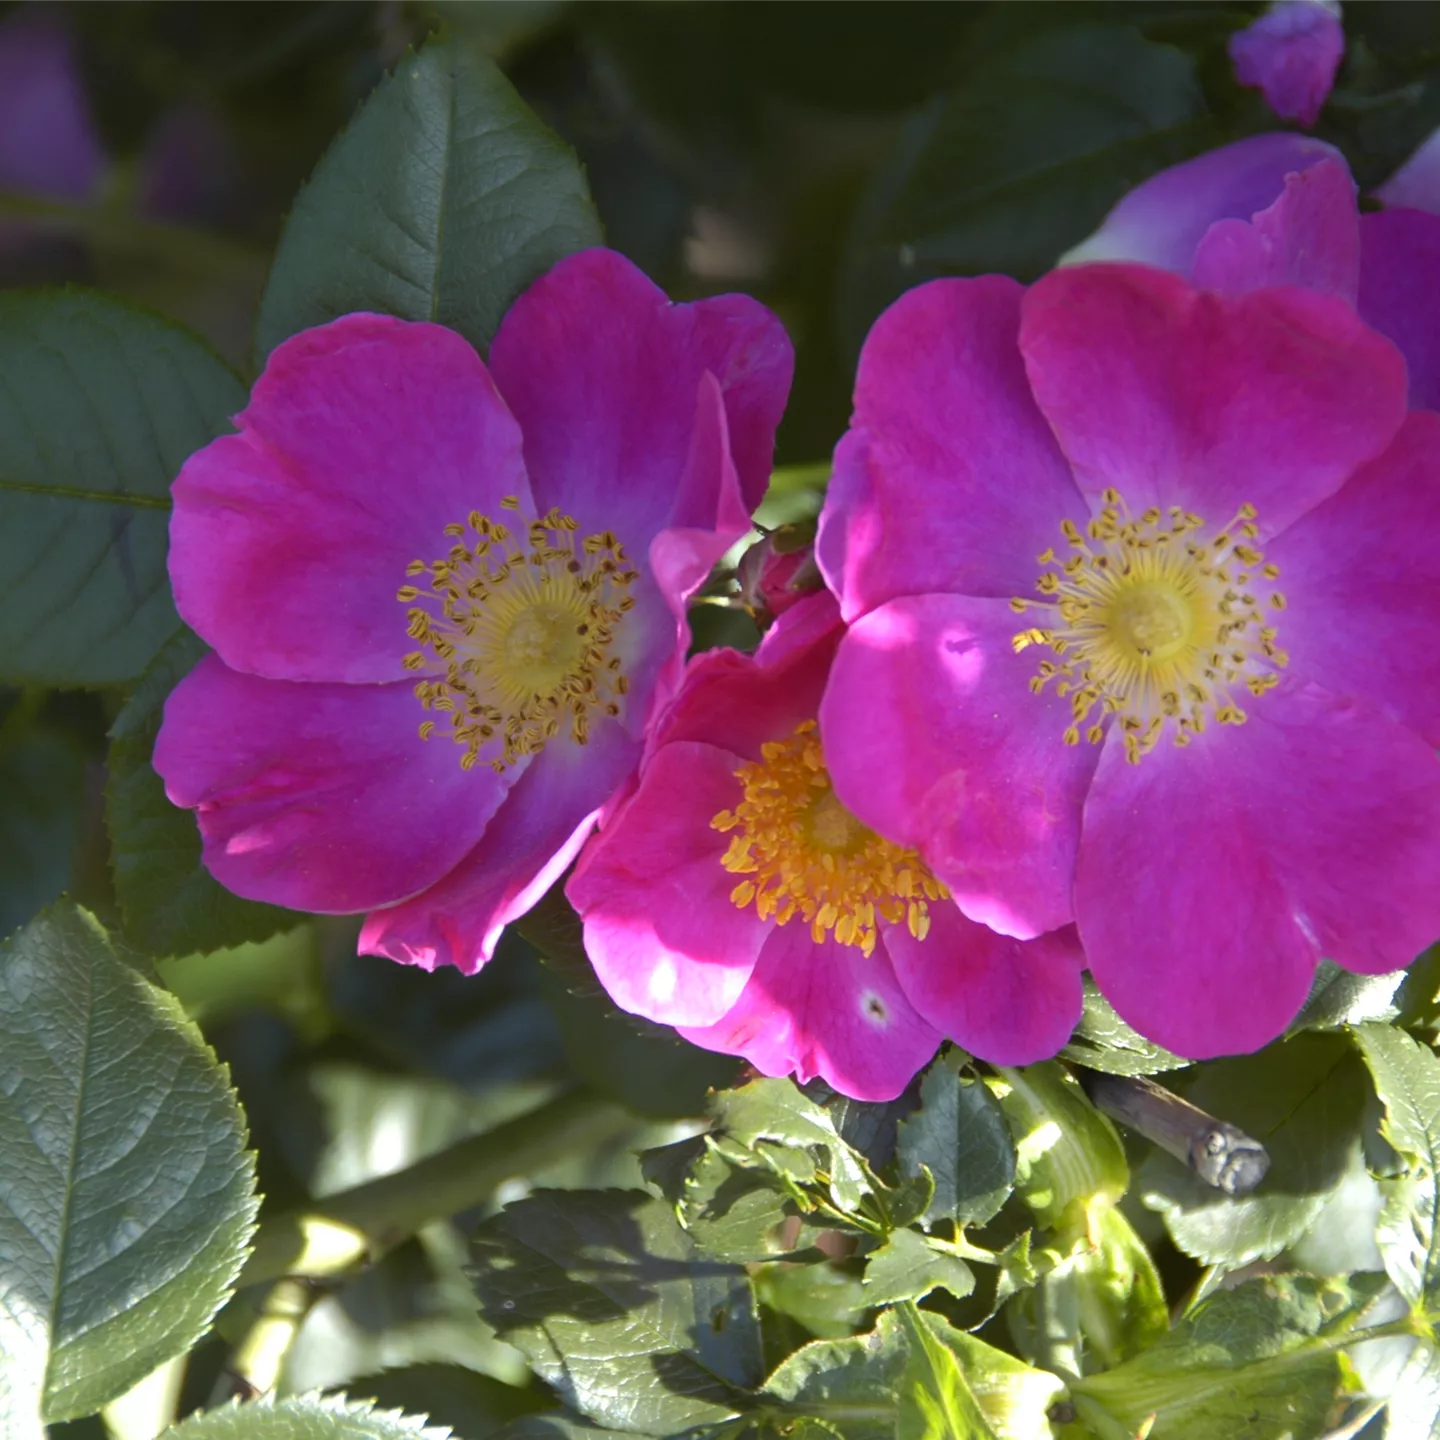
[602,371]
[1309,237]
[1290,54]
[740,702]
[319,797]
[949,478]
[1361,573]
[526,848]
[1178,396]
[933,738]
[1212,879]
[363,439]
[1416,184]
[661,930]
[1011,1002]
[824,1010]
[1400,292]
[1163,221]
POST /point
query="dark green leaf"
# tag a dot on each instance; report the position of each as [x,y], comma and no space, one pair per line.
[1103,1041]
[443,200]
[1339,998]
[825,1298]
[1020,162]
[1248,1364]
[908,1267]
[304,1417]
[42,786]
[470,1404]
[959,1134]
[1302,1099]
[613,1306]
[126,1193]
[171,903]
[1407,1079]
[556,1426]
[99,406]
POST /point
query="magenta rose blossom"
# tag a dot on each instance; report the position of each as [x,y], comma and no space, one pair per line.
[1140,583]
[1281,210]
[1290,54]
[445,599]
[735,897]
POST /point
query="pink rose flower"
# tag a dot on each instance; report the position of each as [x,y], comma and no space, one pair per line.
[446,599]
[1290,54]
[1281,210]
[735,898]
[1140,583]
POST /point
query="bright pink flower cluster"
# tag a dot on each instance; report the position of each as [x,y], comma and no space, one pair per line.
[1126,658]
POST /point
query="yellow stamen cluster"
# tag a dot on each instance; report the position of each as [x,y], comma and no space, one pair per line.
[515,633]
[1152,623]
[807,855]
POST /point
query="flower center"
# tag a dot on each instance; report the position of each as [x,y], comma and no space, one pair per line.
[807,855]
[1155,625]
[516,637]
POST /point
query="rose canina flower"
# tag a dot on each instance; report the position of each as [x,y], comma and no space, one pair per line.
[1290,54]
[735,897]
[1140,583]
[446,599]
[1280,210]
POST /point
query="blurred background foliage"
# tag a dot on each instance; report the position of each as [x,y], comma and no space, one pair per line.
[821,157]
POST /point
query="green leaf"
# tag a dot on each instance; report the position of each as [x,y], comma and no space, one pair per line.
[304,1417]
[1302,1098]
[1103,1041]
[826,1299]
[908,1375]
[126,1194]
[443,200]
[99,406]
[1339,998]
[908,1267]
[613,1306]
[1069,1160]
[1413,1406]
[557,1426]
[1251,1363]
[1407,1079]
[1020,162]
[42,787]
[470,1404]
[170,902]
[733,1212]
[959,1134]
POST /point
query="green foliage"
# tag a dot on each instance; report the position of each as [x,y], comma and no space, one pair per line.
[42,783]
[100,404]
[1252,1363]
[170,902]
[305,1417]
[611,1303]
[1103,1041]
[908,1267]
[1302,1099]
[960,1136]
[128,1195]
[1407,1080]
[1338,998]
[1020,162]
[442,201]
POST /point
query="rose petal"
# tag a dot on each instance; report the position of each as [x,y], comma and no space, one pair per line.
[602,371]
[363,439]
[1290,54]
[933,738]
[1011,1002]
[661,930]
[319,797]
[1416,184]
[825,1010]
[1361,574]
[1178,396]
[1400,292]
[949,479]
[526,848]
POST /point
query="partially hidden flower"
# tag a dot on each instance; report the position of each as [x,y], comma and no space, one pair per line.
[1140,582]
[445,599]
[735,897]
[1280,210]
[1290,54]
[778,571]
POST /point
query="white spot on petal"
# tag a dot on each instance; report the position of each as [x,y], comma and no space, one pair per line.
[663,980]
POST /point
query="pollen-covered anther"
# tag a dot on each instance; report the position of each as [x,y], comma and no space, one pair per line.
[1155,622]
[515,630]
[806,855]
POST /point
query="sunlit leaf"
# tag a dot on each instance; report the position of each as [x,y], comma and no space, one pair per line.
[1103,1041]
[908,1267]
[305,1417]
